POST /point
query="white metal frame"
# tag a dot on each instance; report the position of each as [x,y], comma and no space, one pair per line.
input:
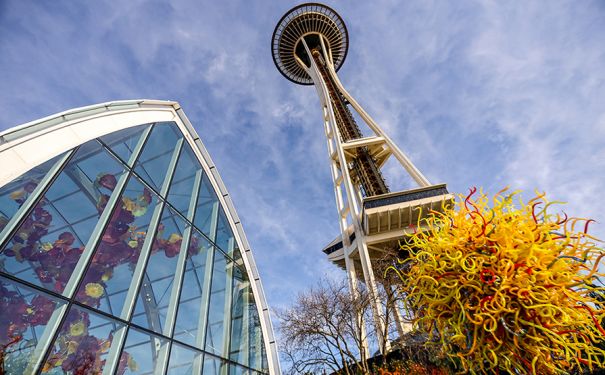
[33,143]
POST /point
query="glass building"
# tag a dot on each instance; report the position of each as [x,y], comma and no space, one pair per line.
[121,251]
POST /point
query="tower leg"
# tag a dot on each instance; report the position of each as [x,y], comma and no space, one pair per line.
[354,289]
[401,325]
[377,308]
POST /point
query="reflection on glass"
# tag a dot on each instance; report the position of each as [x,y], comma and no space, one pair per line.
[123,142]
[82,344]
[108,277]
[238,370]
[265,364]
[224,235]
[140,353]
[24,314]
[48,244]
[154,294]
[152,164]
[189,309]
[239,317]
[181,360]
[181,188]
[218,308]
[16,192]
[255,340]
[207,209]
[213,365]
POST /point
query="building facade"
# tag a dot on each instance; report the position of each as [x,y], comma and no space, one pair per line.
[121,251]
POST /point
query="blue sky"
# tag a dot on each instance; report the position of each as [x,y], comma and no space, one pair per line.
[477,93]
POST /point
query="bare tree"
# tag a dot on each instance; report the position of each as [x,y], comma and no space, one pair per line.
[324,330]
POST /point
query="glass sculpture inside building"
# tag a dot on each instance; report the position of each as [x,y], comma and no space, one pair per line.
[117,257]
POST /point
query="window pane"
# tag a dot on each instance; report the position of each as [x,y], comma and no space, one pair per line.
[16,192]
[123,142]
[224,235]
[140,353]
[190,302]
[49,242]
[24,314]
[158,278]
[256,336]
[82,345]
[152,164]
[219,306]
[181,188]
[238,370]
[108,278]
[265,364]
[239,317]
[207,209]
[181,360]
[213,365]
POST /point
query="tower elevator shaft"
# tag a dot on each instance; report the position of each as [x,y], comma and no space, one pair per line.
[363,166]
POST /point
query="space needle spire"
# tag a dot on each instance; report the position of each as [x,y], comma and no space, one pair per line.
[309,45]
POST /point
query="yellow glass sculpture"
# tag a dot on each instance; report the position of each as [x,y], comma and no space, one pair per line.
[503,284]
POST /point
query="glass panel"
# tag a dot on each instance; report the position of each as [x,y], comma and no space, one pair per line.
[123,142]
[154,295]
[207,209]
[181,360]
[256,336]
[16,192]
[24,314]
[213,365]
[153,161]
[239,317]
[238,370]
[237,256]
[190,302]
[224,235]
[265,364]
[108,277]
[140,353]
[182,183]
[49,242]
[82,345]
[218,311]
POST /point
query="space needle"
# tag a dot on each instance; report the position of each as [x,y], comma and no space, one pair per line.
[309,45]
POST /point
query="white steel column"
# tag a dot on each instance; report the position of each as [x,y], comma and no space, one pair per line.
[343,210]
[402,326]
